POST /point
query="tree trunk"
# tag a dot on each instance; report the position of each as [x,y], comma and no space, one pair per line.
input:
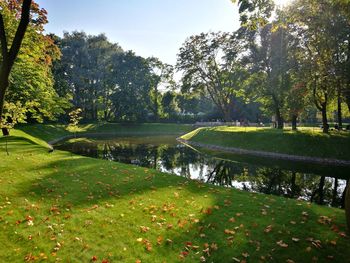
[279,119]
[3,87]
[335,192]
[156,116]
[320,191]
[9,56]
[347,205]
[293,184]
[227,114]
[339,112]
[294,122]
[325,126]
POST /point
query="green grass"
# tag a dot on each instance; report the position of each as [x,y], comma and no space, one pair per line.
[304,142]
[50,132]
[71,208]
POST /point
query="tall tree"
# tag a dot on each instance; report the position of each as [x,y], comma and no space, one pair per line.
[210,62]
[161,78]
[254,13]
[9,54]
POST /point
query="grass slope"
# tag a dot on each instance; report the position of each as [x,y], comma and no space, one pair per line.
[71,208]
[51,132]
[305,142]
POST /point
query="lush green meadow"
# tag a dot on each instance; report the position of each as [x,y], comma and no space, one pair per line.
[304,142]
[59,206]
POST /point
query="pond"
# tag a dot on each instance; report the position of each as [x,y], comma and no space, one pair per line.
[314,183]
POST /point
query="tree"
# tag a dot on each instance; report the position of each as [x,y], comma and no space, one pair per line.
[74,118]
[161,77]
[210,63]
[254,13]
[86,72]
[347,204]
[319,25]
[9,55]
[132,86]
[269,63]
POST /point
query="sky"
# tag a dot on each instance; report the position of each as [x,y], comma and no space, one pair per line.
[148,27]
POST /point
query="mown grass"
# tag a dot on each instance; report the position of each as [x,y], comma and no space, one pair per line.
[68,208]
[304,142]
[49,132]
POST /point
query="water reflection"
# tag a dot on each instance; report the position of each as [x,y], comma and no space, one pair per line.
[164,154]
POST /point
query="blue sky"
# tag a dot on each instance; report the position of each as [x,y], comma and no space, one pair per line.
[148,27]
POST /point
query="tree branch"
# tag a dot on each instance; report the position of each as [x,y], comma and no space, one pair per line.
[17,41]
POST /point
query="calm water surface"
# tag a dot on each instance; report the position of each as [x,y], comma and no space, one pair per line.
[323,185]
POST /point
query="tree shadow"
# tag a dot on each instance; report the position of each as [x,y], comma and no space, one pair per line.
[223,223]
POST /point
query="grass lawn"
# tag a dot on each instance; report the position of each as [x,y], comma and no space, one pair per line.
[54,131]
[304,142]
[69,208]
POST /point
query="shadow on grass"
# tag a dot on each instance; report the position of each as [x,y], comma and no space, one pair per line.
[224,223]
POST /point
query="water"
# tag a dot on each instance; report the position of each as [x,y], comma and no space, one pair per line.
[315,183]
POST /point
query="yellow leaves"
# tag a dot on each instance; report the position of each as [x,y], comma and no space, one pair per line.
[30,220]
[333,242]
[295,239]
[159,240]
[146,242]
[214,246]
[268,229]
[182,223]
[229,232]
[324,220]
[207,211]
[305,215]
[282,244]
[144,229]
[107,205]
[176,194]
[227,202]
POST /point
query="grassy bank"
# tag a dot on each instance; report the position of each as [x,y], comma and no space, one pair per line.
[51,132]
[305,142]
[71,208]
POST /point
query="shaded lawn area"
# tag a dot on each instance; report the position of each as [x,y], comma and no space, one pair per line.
[62,206]
[50,132]
[304,142]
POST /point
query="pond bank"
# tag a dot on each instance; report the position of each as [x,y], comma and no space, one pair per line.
[304,145]
[280,156]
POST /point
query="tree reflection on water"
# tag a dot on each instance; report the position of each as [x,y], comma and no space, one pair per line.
[322,188]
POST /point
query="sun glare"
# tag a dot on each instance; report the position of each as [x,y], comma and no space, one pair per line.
[282,3]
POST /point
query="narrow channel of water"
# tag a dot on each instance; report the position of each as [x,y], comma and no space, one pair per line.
[323,185]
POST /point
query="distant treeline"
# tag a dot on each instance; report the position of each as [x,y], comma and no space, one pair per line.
[294,67]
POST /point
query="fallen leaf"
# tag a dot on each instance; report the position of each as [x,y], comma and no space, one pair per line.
[282,244]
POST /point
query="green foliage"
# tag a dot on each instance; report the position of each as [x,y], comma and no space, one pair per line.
[75,117]
[211,65]
[31,80]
